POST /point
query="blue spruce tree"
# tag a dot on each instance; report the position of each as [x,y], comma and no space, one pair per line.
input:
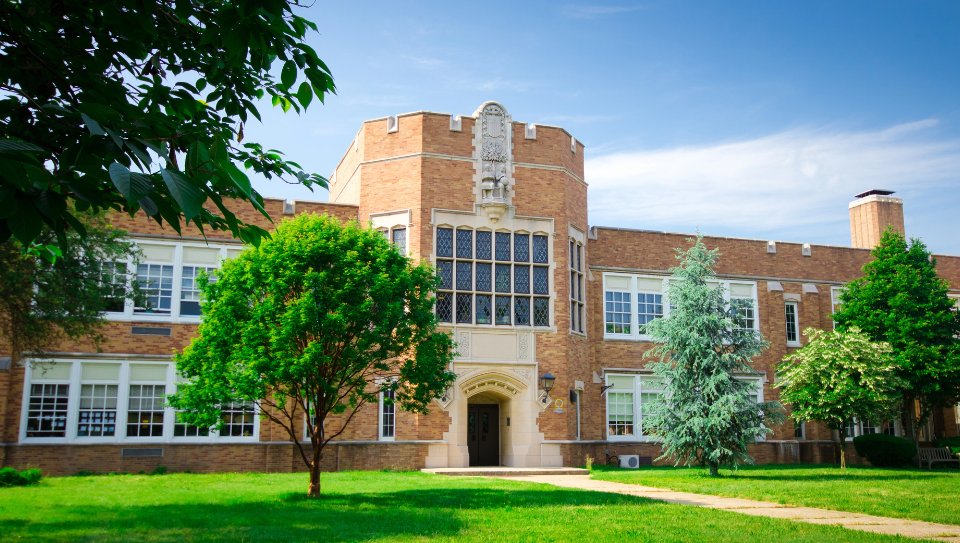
[706,414]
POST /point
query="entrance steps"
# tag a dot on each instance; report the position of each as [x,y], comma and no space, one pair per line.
[504,471]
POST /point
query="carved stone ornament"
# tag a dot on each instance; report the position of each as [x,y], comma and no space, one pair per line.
[493,117]
[463,346]
[522,372]
[444,399]
[522,346]
[493,151]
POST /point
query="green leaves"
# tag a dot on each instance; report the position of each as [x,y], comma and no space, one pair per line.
[114,107]
[317,315]
[186,194]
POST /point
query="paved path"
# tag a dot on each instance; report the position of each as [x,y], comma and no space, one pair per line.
[853,521]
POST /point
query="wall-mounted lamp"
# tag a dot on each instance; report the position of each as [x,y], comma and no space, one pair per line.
[546,382]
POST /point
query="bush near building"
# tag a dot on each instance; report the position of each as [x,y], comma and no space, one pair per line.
[885,451]
[12,477]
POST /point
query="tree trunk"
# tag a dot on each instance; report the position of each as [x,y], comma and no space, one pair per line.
[839,456]
[314,491]
[714,469]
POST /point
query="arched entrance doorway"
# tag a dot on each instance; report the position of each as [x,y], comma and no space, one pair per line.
[483,430]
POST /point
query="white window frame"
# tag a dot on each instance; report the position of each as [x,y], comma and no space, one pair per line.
[635,291]
[835,302]
[858,428]
[129,313]
[123,404]
[380,425]
[796,323]
[637,389]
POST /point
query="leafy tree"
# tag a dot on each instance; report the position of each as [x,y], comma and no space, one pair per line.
[840,376]
[92,90]
[44,301]
[318,320]
[705,412]
[900,300]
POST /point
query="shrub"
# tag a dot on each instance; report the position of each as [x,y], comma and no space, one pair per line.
[159,470]
[12,477]
[952,442]
[884,450]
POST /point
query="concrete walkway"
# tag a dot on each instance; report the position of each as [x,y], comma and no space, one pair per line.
[853,521]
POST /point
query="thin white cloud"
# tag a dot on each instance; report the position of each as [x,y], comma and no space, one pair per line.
[787,180]
[579,119]
[578,11]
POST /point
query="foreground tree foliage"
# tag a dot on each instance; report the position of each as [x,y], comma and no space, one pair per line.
[705,413]
[140,105]
[900,300]
[317,321]
[45,301]
[840,376]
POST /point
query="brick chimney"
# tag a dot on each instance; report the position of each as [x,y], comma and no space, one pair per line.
[871,213]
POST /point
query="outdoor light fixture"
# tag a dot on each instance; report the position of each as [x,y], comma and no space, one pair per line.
[546,382]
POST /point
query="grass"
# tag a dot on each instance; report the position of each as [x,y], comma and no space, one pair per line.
[367,506]
[933,496]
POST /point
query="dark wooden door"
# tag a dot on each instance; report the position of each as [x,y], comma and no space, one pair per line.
[483,434]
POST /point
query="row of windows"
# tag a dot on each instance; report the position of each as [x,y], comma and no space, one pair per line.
[109,401]
[632,302]
[169,276]
[467,308]
[487,245]
[628,397]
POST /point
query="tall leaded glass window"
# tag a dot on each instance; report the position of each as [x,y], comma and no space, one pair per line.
[484,309]
[521,279]
[484,276]
[464,275]
[400,239]
[464,243]
[464,310]
[540,250]
[521,247]
[473,264]
[484,245]
[444,242]
[503,246]
[577,297]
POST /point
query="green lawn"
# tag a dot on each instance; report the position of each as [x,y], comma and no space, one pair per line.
[365,506]
[900,493]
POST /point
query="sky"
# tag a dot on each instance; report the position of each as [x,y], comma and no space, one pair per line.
[746,119]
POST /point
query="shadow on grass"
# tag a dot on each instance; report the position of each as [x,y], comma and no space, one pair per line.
[794,472]
[342,517]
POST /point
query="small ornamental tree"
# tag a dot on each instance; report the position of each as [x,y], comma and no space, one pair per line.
[705,413]
[840,376]
[900,300]
[319,320]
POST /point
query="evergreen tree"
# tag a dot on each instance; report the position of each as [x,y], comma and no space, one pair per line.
[900,300]
[706,414]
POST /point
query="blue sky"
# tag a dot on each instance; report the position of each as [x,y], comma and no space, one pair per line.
[751,119]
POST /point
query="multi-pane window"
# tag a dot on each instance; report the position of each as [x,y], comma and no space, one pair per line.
[113,280]
[798,432]
[617,312]
[47,410]
[650,389]
[388,415]
[400,239]
[190,288]
[793,333]
[475,264]
[156,280]
[620,413]
[98,411]
[237,418]
[649,307]
[182,429]
[145,411]
[577,295]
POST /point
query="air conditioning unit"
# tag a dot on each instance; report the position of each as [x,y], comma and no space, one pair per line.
[630,461]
